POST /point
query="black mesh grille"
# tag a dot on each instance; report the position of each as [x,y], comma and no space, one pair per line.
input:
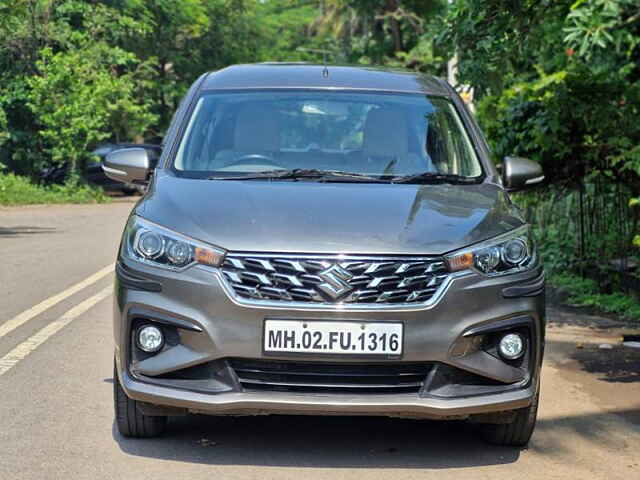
[329,377]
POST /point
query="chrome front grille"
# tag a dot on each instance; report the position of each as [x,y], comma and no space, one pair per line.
[334,280]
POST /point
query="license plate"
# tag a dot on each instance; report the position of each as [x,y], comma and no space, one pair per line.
[349,338]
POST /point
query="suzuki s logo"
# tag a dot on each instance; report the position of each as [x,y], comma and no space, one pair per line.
[336,281]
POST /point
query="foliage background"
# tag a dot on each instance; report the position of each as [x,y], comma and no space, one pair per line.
[75,73]
[554,80]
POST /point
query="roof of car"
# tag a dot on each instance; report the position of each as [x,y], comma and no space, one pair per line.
[302,75]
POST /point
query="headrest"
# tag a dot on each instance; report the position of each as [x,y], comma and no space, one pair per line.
[257,129]
[386,133]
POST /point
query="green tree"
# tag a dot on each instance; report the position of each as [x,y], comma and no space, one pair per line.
[31,30]
[379,31]
[78,102]
[557,81]
[166,46]
[287,31]
[498,41]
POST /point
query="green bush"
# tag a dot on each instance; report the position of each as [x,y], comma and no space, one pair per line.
[18,190]
[555,214]
[583,292]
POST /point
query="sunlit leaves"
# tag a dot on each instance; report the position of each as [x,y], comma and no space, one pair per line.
[78,102]
[594,26]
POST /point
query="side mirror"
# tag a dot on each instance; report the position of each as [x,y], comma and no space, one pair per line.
[520,173]
[129,165]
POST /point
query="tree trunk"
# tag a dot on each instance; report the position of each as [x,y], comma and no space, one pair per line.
[396,33]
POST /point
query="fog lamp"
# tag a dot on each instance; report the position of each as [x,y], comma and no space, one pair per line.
[511,346]
[149,339]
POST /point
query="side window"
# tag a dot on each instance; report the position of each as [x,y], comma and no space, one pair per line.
[448,144]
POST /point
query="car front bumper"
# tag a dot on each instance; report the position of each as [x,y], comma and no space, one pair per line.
[207,329]
[255,403]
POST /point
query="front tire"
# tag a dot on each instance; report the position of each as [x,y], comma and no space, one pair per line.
[518,432]
[129,420]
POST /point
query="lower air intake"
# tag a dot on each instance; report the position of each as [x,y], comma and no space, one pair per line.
[323,377]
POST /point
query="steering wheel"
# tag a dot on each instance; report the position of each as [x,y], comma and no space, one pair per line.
[254,158]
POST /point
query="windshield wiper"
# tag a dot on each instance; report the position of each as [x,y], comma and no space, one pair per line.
[296,173]
[431,177]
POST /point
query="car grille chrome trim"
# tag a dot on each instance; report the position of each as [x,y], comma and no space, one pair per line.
[334,281]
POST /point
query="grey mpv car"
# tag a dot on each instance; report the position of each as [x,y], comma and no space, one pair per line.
[326,241]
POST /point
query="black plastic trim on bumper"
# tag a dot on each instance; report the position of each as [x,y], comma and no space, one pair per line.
[529,289]
[159,317]
[497,326]
[132,282]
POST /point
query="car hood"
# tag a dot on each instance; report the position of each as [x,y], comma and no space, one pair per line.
[311,217]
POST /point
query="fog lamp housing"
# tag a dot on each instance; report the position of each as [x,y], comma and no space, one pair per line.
[511,346]
[149,339]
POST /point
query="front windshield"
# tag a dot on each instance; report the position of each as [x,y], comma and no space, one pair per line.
[373,134]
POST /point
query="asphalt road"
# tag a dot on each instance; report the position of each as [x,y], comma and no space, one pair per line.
[56,412]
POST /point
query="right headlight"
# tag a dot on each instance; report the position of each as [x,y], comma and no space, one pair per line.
[509,253]
[150,243]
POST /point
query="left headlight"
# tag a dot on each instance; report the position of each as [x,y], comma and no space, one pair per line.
[509,253]
[147,242]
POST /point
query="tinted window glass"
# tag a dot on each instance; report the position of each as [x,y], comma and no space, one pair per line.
[367,133]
